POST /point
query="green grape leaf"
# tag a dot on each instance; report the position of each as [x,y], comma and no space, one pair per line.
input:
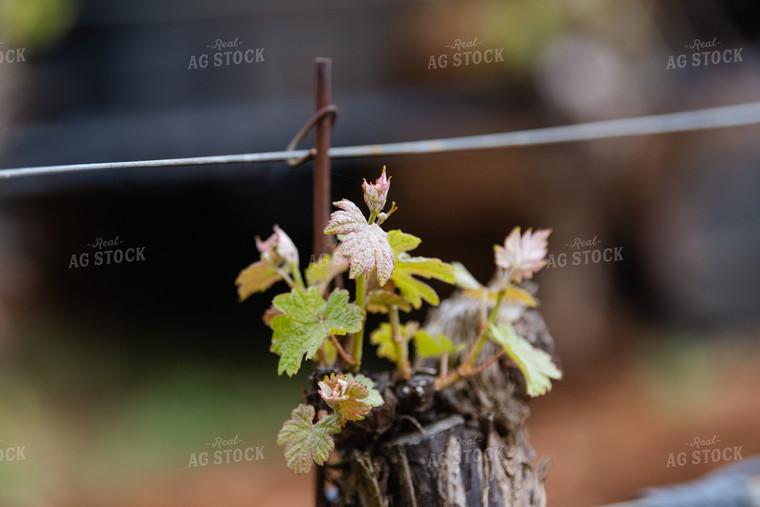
[257,277]
[513,295]
[406,266]
[327,267]
[381,301]
[429,346]
[346,396]
[306,442]
[463,278]
[383,338]
[329,352]
[365,245]
[535,364]
[306,321]
[519,295]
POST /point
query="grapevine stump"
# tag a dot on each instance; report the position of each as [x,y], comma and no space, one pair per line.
[463,446]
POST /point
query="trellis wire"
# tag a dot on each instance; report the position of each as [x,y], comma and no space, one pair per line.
[726,116]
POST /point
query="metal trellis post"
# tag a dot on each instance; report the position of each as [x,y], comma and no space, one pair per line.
[322,157]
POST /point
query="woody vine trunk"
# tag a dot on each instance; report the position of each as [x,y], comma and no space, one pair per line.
[463,446]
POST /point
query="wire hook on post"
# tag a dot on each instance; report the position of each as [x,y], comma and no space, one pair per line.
[322,121]
[331,111]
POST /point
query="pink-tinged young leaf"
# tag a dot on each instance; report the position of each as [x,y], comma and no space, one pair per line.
[375,195]
[261,275]
[522,255]
[350,397]
[365,245]
[306,442]
[374,398]
[278,248]
[346,397]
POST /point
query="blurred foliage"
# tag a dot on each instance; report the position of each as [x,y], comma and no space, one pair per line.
[35,24]
[522,27]
[149,428]
[689,375]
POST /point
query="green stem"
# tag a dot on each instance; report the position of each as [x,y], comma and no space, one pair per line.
[297,278]
[467,369]
[402,345]
[361,295]
[442,382]
[470,361]
[342,353]
[286,277]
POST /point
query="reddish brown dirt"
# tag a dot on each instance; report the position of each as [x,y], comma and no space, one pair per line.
[609,434]
[608,431]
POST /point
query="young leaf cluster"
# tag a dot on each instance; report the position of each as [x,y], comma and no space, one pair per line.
[313,323]
[306,441]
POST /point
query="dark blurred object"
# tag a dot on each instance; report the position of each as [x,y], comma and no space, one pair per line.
[736,485]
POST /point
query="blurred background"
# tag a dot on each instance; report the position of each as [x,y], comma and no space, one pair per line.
[115,378]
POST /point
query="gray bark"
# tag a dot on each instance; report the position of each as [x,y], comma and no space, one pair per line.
[465,446]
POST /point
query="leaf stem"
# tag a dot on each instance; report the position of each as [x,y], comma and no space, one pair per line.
[297,278]
[361,296]
[341,352]
[468,369]
[402,345]
[463,373]
[286,277]
[483,336]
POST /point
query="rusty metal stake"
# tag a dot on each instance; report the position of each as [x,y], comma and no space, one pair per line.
[321,208]
[322,158]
